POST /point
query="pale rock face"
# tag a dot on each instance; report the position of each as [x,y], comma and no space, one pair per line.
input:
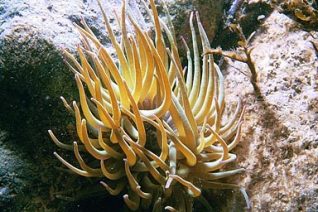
[53,20]
[279,147]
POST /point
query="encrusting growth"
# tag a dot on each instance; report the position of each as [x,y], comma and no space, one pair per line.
[150,90]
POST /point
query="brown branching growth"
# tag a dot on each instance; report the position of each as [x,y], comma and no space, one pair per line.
[246,57]
[304,11]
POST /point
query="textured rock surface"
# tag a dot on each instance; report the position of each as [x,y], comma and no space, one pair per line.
[279,146]
[211,12]
[54,20]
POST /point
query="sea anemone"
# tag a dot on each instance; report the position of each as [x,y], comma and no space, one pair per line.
[150,123]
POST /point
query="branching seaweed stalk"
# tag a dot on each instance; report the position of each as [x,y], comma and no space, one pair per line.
[246,58]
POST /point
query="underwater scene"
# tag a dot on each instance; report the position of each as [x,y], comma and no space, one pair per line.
[158,105]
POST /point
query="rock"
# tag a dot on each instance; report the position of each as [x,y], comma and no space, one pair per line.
[249,16]
[278,145]
[210,12]
[18,178]
[32,182]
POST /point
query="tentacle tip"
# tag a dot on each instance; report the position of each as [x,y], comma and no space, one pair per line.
[169,208]
[168,183]
[104,184]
